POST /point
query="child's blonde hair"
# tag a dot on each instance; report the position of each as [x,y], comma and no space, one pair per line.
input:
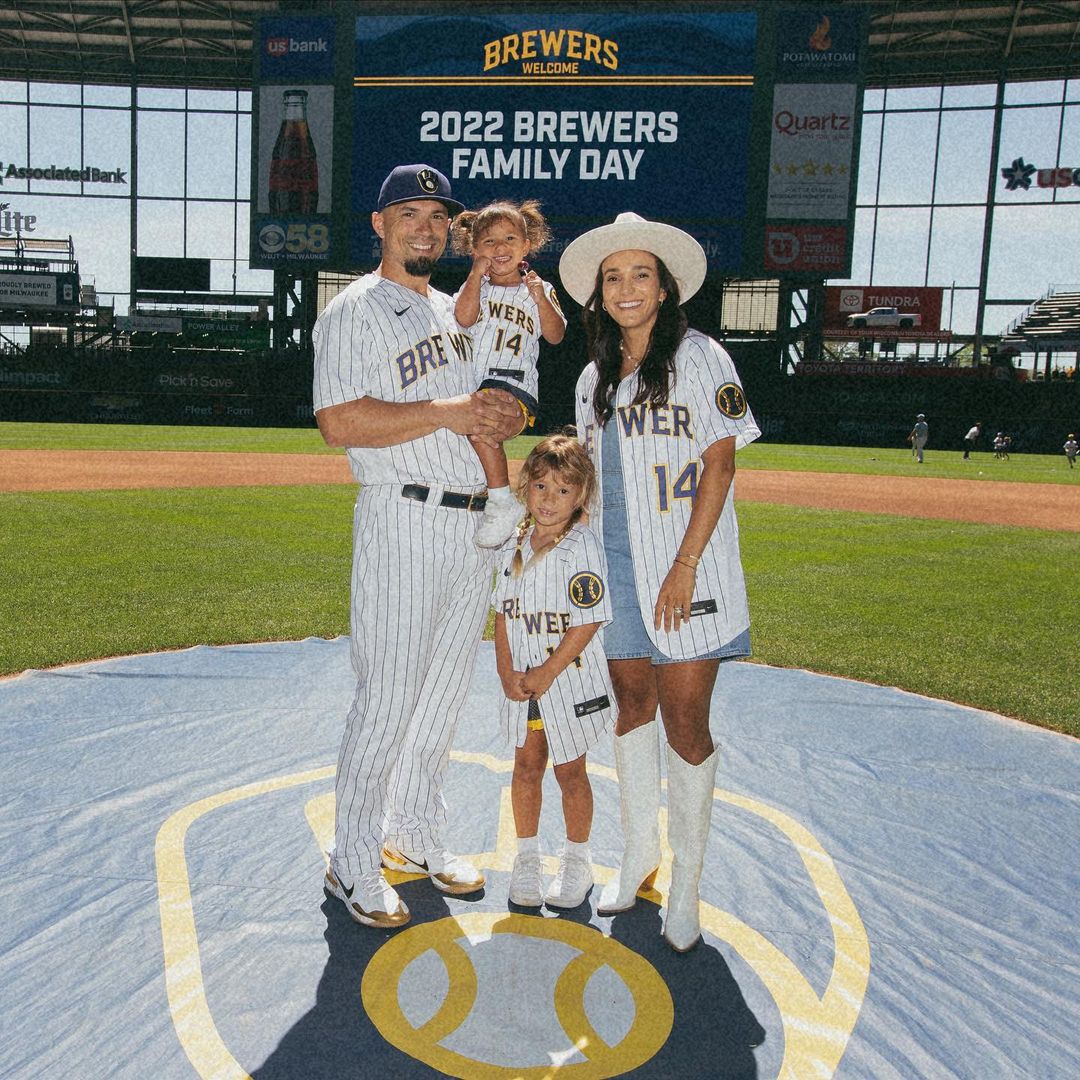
[470,224]
[564,456]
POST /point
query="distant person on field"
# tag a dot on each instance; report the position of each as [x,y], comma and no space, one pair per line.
[919,434]
[1002,442]
[1070,449]
[970,439]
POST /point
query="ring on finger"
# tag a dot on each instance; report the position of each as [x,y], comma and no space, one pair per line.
[678,610]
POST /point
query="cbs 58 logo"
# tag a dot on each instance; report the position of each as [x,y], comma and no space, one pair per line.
[295,238]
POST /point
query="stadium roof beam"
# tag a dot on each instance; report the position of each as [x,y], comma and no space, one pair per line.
[153,42]
[208,43]
[950,41]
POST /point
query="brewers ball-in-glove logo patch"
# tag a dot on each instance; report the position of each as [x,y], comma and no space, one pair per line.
[427,181]
[731,401]
[586,589]
[555,301]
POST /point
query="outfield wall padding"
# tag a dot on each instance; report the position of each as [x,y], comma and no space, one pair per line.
[274,390]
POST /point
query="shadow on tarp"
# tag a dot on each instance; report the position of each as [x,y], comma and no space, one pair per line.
[714,1033]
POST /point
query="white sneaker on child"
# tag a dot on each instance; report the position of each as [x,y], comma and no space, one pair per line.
[501,517]
[572,883]
[526,881]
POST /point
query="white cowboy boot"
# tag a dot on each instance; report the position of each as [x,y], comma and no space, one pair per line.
[637,763]
[690,804]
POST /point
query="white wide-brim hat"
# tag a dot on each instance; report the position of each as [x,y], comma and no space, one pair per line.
[680,252]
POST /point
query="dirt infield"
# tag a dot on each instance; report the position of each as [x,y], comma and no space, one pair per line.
[1040,506]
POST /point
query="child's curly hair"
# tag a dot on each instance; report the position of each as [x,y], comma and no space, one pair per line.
[473,223]
[564,456]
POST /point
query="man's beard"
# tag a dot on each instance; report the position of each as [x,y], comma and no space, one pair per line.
[420,266]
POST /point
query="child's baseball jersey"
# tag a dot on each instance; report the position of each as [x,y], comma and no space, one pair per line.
[565,587]
[506,338]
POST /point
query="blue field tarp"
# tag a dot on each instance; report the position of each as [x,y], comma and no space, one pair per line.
[890,890]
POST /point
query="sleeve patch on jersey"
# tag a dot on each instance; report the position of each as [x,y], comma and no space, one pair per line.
[586,589]
[703,607]
[554,301]
[731,401]
[584,708]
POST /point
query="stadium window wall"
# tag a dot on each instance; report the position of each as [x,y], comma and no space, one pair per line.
[750,306]
[330,283]
[920,216]
[190,181]
[921,204]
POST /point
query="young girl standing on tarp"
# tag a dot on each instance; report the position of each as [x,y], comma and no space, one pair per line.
[550,600]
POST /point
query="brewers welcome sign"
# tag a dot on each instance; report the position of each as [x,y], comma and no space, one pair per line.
[668,112]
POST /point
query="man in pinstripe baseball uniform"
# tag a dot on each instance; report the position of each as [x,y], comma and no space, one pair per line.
[396,385]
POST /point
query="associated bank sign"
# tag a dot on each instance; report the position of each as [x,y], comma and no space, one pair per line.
[88,175]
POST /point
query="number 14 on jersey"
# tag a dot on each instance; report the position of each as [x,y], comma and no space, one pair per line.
[505,340]
[684,485]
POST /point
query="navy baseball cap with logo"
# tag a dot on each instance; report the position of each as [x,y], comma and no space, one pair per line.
[408,182]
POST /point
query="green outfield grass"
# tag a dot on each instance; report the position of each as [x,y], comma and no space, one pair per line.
[944,464]
[14,436]
[976,614]
[1021,468]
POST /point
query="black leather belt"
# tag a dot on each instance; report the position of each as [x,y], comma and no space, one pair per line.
[453,500]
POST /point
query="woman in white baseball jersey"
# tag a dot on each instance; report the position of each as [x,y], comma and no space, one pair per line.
[661,411]
[550,600]
[508,308]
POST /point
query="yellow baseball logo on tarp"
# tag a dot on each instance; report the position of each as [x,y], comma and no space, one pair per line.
[731,401]
[453,943]
[817,1023]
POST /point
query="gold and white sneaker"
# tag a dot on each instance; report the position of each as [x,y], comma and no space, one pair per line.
[369,900]
[449,873]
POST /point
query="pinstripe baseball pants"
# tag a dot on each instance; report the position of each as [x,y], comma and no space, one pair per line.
[420,596]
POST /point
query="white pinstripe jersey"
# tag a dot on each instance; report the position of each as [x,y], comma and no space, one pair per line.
[661,461]
[379,339]
[564,588]
[506,336]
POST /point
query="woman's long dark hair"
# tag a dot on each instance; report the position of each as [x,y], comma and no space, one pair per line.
[602,338]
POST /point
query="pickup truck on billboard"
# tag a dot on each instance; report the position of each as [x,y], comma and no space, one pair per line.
[886,317]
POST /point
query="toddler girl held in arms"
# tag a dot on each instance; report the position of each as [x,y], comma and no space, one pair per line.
[507,309]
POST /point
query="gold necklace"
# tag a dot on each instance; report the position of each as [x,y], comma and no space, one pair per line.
[633,361]
[544,548]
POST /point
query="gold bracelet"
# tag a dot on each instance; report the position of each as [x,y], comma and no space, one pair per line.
[687,555]
[688,565]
